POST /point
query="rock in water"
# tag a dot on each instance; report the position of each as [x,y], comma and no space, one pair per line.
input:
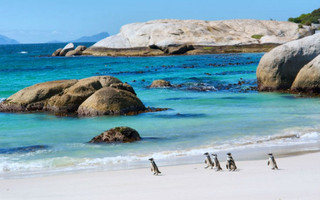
[99,95]
[73,53]
[66,49]
[34,98]
[70,100]
[77,52]
[57,52]
[81,48]
[308,78]
[160,84]
[118,134]
[279,67]
[111,101]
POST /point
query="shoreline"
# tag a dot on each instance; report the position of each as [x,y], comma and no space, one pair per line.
[295,179]
[167,158]
[197,50]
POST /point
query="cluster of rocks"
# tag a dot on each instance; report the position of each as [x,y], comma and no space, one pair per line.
[294,66]
[69,50]
[99,95]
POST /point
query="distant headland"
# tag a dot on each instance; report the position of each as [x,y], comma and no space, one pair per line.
[170,37]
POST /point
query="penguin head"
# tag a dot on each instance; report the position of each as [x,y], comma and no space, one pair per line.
[151,159]
[214,155]
[270,154]
[206,154]
[229,154]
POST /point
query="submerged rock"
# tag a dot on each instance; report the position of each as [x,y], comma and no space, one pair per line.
[160,84]
[278,68]
[117,134]
[308,78]
[99,95]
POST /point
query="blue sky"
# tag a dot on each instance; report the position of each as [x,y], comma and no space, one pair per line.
[35,21]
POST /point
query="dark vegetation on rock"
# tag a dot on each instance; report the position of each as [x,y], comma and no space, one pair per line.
[308,18]
[117,135]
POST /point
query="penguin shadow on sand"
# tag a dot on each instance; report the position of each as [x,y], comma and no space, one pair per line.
[154,168]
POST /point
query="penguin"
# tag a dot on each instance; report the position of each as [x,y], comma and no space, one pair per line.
[208,161]
[154,167]
[272,161]
[216,161]
[231,165]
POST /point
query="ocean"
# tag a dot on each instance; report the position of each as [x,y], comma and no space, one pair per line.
[214,107]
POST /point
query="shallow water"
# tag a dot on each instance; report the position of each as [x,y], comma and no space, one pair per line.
[209,111]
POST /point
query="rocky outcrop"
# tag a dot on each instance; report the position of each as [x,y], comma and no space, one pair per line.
[99,95]
[69,50]
[117,134]
[66,49]
[160,84]
[166,33]
[308,78]
[278,68]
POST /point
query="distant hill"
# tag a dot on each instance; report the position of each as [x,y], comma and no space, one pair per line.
[308,18]
[93,38]
[6,40]
[55,41]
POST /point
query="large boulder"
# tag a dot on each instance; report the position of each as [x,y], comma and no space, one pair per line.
[111,101]
[160,84]
[99,95]
[73,97]
[279,67]
[34,98]
[117,134]
[77,52]
[81,48]
[73,53]
[308,78]
[57,52]
[66,49]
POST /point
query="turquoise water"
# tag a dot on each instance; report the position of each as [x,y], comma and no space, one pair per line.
[209,111]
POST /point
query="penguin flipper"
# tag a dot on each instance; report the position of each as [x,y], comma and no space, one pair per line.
[268,163]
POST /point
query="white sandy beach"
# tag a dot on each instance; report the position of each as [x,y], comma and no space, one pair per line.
[298,177]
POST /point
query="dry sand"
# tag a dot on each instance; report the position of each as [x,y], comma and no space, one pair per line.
[298,177]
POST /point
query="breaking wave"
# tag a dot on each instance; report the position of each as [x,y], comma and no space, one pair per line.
[65,163]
